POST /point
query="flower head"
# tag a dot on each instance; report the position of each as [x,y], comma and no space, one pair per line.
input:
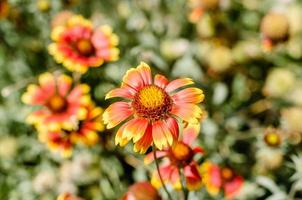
[272,137]
[151,108]
[141,191]
[78,46]
[84,132]
[180,155]
[216,178]
[60,103]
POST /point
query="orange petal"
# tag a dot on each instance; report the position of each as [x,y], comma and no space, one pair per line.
[173,85]
[173,127]
[64,84]
[135,129]
[145,142]
[188,95]
[119,140]
[161,81]
[188,112]
[193,178]
[116,113]
[161,134]
[124,92]
[133,79]
[190,133]
[149,158]
[145,73]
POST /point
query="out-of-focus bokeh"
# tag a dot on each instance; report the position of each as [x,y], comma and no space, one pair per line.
[246,55]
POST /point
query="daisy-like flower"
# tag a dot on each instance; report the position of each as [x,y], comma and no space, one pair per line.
[272,137]
[180,155]
[85,132]
[78,46]
[151,108]
[216,178]
[60,103]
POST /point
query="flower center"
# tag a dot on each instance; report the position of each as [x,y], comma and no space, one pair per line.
[152,102]
[181,154]
[227,174]
[57,104]
[272,139]
[84,47]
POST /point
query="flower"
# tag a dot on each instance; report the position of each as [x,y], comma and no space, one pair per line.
[60,103]
[4,9]
[180,155]
[198,7]
[275,29]
[272,137]
[84,132]
[141,191]
[68,196]
[152,108]
[216,178]
[78,46]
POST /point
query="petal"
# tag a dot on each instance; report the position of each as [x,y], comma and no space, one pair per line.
[145,142]
[173,127]
[116,113]
[47,82]
[135,129]
[173,85]
[64,84]
[149,158]
[190,113]
[190,133]
[124,92]
[193,178]
[119,140]
[145,73]
[133,79]
[161,134]
[188,95]
[161,81]
[233,186]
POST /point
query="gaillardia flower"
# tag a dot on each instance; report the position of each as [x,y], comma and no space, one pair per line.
[84,132]
[78,46]
[61,104]
[216,178]
[180,155]
[141,191]
[150,108]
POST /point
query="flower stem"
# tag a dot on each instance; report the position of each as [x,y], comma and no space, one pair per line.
[160,177]
[182,182]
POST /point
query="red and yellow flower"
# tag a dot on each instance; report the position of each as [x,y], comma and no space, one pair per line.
[61,104]
[151,108]
[199,7]
[78,46]
[141,191]
[216,178]
[84,132]
[180,155]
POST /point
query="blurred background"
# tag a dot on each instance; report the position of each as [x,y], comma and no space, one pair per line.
[245,54]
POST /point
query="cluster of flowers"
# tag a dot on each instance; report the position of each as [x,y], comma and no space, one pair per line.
[66,114]
[153,112]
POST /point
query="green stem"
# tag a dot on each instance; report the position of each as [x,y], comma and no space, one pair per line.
[182,182]
[160,177]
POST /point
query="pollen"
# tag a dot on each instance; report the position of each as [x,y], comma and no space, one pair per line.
[181,154]
[151,97]
[57,104]
[84,47]
[152,102]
